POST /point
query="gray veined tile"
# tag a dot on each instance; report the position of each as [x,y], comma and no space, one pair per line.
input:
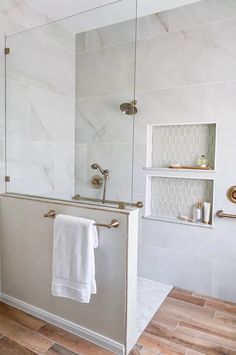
[201,13]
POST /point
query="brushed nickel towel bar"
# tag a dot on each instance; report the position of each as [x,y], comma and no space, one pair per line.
[114,223]
[221,214]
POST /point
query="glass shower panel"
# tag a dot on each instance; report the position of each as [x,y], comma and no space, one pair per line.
[66,135]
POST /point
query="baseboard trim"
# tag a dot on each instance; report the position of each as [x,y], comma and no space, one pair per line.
[71,327]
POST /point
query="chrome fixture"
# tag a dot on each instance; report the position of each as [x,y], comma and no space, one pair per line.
[114,223]
[105,173]
[129,108]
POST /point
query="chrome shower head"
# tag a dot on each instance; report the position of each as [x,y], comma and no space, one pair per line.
[129,108]
[96,166]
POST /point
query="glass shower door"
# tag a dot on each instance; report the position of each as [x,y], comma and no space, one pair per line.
[68,137]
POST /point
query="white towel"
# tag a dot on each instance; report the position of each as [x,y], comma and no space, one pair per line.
[73,258]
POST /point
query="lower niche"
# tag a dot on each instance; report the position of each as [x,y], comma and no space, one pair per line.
[172,198]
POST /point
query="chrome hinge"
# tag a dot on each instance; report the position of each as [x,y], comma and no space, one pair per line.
[7,51]
[7,178]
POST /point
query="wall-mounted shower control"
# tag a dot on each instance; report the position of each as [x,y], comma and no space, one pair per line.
[97,181]
[231,194]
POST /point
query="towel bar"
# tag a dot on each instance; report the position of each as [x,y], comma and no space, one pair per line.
[114,223]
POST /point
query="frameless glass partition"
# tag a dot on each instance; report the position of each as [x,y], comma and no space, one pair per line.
[70,105]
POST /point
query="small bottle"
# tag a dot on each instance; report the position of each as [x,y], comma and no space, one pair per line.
[202,161]
[198,212]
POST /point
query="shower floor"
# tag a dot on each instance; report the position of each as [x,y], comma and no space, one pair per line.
[151,294]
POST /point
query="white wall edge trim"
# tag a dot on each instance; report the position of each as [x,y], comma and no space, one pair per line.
[71,327]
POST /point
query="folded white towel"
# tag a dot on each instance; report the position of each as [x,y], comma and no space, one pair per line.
[73,258]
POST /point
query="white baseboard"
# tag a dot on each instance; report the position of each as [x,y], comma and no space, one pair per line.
[71,327]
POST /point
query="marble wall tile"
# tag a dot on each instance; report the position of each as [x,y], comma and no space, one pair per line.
[188,57]
[18,110]
[81,170]
[121,168]
[176,268]
[64,158]
[2,116]
[220,105]
[200,13]
[7,5]
[123,32]
[52,116]
[31,167]
[110,35]
[105,71]
[178,105]
[192,240]
[37,61]
[223,285]
[80,40]
[120,125]
[8,25]
[139,175]
[91,120]
[25,15]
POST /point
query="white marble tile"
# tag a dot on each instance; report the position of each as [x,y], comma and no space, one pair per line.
[31,167]
[40,62]
[64,170]
[120,125]
[189,57]
[123,32]
[179,105]
[25,15]
[139,182]
[106,71]
[199,242]
[80,40]
[52,116]
[110,35]
[81,170]
[151,295]
[8,26]
[175,268]
[121,168]
[91,120]
[2,108]
[220,106]
[59,35]
[223,281]
[200,13]
[18,110]
[7,5]
[153,25]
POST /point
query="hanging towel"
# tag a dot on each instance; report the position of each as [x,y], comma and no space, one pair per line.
[73,273]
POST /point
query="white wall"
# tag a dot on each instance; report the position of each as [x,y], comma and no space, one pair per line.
[186,73]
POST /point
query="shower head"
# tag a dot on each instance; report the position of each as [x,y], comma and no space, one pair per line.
[96,166]
[129,108]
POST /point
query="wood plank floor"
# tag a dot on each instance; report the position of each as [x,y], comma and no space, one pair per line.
[190,324]
[186,323]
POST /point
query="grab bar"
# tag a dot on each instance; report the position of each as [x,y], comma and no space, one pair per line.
[221,214]
[114,223]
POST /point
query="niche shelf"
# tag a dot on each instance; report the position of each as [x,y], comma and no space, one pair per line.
[170,197]
[181,144]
